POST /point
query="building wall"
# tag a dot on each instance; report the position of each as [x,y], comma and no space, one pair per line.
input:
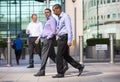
[78,23]
[109,18]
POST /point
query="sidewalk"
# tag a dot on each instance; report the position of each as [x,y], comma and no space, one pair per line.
[93,72]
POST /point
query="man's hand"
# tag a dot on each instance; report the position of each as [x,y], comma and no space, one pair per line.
[28,31]
[36,41]
[69,44]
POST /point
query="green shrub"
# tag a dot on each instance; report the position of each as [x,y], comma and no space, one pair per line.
[3,44]
[24,44]
[94,41]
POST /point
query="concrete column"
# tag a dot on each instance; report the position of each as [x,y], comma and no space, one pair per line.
[47,3]
[9,61]
[111,48]
[75,11]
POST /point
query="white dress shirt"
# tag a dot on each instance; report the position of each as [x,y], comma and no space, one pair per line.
[35,29]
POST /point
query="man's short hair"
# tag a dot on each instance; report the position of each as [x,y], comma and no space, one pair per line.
[33,15]
[57,6]
[48,9]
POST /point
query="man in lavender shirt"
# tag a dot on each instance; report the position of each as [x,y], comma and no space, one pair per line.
[48,34]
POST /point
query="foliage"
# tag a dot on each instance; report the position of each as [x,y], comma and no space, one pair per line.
[94,41]
[3,44]
[24,43]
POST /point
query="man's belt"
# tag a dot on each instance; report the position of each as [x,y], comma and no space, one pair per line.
[63,36]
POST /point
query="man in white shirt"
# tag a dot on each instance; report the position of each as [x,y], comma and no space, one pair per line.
[34,29]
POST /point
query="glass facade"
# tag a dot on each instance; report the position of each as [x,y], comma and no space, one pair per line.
[16,14]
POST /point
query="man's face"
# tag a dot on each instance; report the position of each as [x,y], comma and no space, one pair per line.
[34,18]
[47,13]
[56,11]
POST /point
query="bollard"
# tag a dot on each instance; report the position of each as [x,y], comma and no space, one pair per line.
[81,49]
[111,49]
[9,53]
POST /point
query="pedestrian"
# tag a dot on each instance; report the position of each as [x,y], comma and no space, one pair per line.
[18,48]
[49,36]
[64,32]
[34,29]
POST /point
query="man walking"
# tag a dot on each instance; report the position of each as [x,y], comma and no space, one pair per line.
[34,29]
[18,48]
[64,32]
[49,34]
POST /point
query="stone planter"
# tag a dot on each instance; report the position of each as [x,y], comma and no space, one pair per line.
[91,52]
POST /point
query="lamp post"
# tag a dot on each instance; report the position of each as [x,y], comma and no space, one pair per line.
[97,20]
[47,3]
[63,5]
[9,58]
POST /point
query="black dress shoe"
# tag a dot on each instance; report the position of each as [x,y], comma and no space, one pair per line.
[81,70]
[58,76]
[30,66]
[39,74]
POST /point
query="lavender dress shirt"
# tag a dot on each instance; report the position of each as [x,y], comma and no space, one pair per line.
[64,26]
[49,29]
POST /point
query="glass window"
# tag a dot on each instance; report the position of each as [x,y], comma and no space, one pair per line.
[108,16]
[101,2]
[92,3]
[104,1]
[113,0]
[98,2]
[94,17]
[114,15]
[93,35]
[118,15]
[101,16]
[89,5]
[108,1]
[95,2]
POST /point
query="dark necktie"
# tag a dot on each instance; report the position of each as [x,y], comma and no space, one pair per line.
[58,22]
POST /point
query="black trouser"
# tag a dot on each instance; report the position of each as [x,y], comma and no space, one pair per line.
[33,48]
[63,53]
[18,54]
[47,51]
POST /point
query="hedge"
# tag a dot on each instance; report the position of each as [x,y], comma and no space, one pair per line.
[94,41]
